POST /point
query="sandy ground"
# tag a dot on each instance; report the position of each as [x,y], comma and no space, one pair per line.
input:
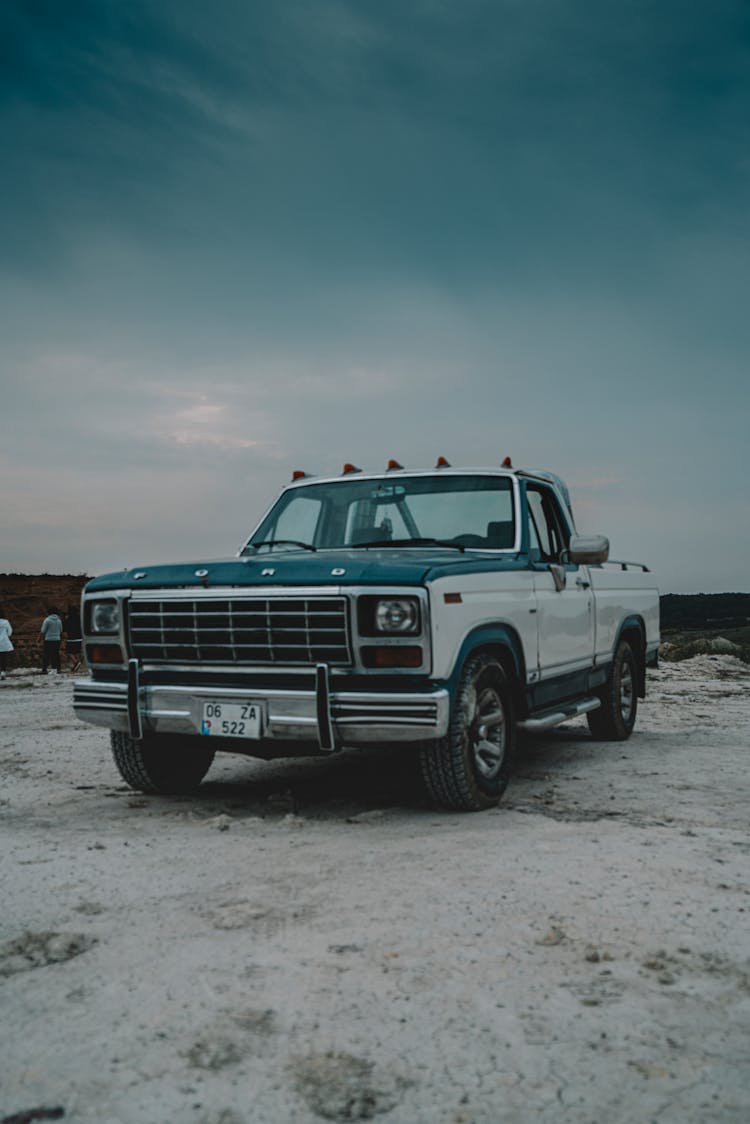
[306,940]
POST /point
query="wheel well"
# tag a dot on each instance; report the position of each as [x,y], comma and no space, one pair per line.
[634,634]
[507,660]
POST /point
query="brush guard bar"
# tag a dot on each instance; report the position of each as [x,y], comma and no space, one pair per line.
[326,718]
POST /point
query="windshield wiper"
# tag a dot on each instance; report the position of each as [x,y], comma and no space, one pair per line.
[407,542]
[278,542]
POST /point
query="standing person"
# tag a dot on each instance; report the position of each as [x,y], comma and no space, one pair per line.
[73,631]
[51,633]
[6,631]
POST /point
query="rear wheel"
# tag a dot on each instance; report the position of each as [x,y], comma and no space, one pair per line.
[469,768]
[161,763]
[614,720]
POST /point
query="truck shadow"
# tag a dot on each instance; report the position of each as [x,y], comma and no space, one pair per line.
[344,784]
[354,782]
[555,746]
[563,755]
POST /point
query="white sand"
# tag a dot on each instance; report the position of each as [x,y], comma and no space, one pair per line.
[306,941]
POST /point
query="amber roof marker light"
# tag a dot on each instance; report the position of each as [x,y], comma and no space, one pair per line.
[298,474]
[393,465]
[348,468]
[442,463]
[507,463]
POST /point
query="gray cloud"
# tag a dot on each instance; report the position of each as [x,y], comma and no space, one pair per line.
[241,238]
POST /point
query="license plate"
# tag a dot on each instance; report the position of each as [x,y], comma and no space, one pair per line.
[232,720]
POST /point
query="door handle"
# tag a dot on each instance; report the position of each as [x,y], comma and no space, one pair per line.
[582,583]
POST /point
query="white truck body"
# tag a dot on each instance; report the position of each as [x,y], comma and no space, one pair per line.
[373,608]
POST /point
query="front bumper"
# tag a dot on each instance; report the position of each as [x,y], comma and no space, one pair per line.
[323,717]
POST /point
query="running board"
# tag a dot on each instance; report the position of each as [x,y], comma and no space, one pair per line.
[549,718]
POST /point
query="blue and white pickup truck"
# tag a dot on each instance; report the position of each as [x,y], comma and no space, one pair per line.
[441,609]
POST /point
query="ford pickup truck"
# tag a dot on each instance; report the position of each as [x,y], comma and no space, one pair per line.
[442,610]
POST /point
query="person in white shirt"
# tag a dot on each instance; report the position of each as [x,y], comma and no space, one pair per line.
[6,631]
[51,633]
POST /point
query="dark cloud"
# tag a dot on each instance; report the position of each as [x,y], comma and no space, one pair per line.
[483,137]
[522,223]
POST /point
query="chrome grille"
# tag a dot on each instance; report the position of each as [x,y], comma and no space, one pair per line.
[283,630]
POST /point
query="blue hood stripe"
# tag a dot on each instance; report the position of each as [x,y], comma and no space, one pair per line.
[372,567]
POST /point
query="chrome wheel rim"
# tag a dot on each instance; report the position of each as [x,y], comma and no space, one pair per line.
[626,691]
[487,733]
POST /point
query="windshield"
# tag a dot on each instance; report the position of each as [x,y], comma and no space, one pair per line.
[475,512]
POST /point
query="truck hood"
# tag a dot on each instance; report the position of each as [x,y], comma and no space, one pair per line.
[375,566]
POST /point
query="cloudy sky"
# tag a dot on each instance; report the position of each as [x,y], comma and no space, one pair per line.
[246,237]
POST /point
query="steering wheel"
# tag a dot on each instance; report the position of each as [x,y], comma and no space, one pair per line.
[469,540]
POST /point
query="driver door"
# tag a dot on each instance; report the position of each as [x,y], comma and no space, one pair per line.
[565,603]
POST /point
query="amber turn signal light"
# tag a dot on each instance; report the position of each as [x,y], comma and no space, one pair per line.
[103,653]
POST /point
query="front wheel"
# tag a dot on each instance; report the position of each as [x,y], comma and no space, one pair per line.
[161,763]
[614,720]
[469,769]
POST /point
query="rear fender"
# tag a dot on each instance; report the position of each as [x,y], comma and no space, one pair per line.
[633,630]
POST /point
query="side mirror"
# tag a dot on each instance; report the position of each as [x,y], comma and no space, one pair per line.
[588,550]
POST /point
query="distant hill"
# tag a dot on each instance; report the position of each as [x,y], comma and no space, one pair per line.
[708,612]
[25,598]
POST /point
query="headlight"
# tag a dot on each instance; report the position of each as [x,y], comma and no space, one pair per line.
[105,616]
[397,615]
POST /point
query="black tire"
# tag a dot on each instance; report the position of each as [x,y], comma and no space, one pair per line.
[614,720]
[161,763]
[469,769]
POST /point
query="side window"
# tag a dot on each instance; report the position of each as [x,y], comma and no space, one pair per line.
[535,549]
[546,530]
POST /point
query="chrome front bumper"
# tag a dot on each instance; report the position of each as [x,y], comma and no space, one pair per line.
[326,718]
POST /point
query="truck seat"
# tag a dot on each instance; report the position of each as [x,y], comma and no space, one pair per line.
[500,536]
